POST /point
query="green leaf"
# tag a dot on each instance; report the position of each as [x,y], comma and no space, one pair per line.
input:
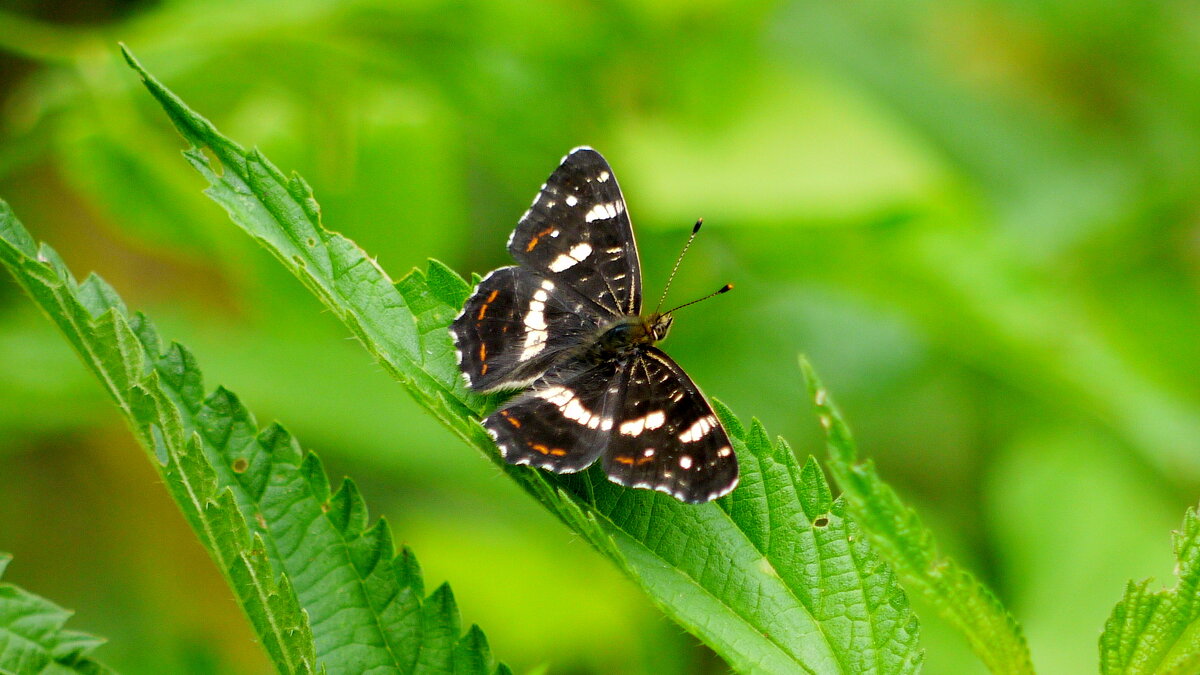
[772,577]
[1159,631]
[323,588]
[32,638]
[898,535]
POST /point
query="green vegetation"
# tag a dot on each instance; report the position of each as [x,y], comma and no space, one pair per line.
[32,639]
[976,218]
[323,591]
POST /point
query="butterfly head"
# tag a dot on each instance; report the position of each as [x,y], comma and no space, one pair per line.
[656,326]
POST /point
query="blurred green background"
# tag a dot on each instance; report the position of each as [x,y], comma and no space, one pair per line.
[980,219]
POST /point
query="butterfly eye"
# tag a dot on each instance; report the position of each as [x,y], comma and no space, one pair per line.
[661,326]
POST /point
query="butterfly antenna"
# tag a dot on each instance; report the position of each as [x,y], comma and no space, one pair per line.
[695,229]
[724,289]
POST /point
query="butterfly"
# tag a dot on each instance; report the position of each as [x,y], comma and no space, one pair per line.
[565,326]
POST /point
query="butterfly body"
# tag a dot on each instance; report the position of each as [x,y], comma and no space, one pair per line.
[565,326]
[623,336]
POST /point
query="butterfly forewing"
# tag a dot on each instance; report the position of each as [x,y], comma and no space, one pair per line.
[515,326]
[577,233]
[563,423]
[666,436]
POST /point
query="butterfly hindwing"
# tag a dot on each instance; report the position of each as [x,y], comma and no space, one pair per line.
[563,422]
[666,436]
[578,234]
[515,325]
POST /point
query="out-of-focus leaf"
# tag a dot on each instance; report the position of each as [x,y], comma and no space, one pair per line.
[32,638]
[1108,518]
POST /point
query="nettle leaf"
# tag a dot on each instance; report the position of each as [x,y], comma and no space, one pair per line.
[771,577]
[324,589]
[32,638]
[897,533]
[1159,631]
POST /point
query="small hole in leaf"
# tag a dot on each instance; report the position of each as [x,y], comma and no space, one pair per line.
[240,465]
[821,522]
[311,242]
[325,507]
[211,159]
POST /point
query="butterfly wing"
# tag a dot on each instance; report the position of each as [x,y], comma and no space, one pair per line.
[564,421]
[666,436]
[515,325]
[578,234]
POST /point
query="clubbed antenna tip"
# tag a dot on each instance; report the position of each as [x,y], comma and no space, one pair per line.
[724,289]
[696,228]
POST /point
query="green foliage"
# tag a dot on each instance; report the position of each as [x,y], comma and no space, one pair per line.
[771,577]
[897,533]
[32,638]
[978,219]
[324,590]
[1159,631]
[1006,292]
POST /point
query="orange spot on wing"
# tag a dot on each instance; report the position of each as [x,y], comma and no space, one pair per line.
[486,303]
[538,447]
[483,359]
[624,460]
[511,420]
[534,241]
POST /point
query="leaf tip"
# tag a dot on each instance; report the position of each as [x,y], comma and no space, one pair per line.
[815,386]
[442,600]
[130,58]
[758,437]
[731,422]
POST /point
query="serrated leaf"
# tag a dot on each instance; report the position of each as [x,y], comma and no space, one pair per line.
[93,319]
[748,575]
[32,637]
[898,535]
[323,588]
[1159,631]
